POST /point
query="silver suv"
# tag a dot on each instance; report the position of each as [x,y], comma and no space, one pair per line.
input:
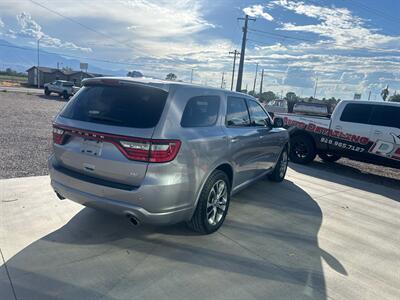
[163,152]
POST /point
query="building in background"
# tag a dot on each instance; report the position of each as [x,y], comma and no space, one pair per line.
[47,75]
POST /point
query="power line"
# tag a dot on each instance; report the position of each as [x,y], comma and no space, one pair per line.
[80,24]
[377,12]
[281,35]
[71,56]
[345,47]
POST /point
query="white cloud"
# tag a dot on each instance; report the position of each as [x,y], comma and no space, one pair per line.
[338,24]
[1,23]
[30,28]
[257,11]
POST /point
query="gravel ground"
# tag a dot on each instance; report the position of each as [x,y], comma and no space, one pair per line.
[25,142]
[25,134]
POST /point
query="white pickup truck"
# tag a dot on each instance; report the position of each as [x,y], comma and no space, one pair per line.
[366,131]
[61,87]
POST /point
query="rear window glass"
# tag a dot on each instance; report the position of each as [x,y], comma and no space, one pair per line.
[200,111]
[383,115]
[128,106]
[356,113]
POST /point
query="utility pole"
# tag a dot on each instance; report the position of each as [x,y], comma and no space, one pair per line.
[235,53]
[255,80]
[222,80]
[315,89]
[369,95]
[191,76]
[242,53]
[261,83]
[38,77]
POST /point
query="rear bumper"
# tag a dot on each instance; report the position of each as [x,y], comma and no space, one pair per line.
[156,203]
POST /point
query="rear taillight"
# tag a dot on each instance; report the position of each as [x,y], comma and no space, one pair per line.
[58,135]
[164,151]
[157,151]
[139,149]
[136,150]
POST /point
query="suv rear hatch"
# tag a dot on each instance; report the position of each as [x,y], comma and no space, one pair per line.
[106,130]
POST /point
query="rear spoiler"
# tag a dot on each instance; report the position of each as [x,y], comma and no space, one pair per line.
[124,82]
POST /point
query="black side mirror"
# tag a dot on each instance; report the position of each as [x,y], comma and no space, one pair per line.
[278,122]
[268,122]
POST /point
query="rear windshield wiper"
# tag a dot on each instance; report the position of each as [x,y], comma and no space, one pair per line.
[106,119]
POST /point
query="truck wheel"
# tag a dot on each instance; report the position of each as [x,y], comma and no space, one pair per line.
[302,149]
[213,204]
[278,174]
[47,92]
[65,95]
[329,157]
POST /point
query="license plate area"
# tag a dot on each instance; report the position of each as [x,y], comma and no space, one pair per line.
[91,147]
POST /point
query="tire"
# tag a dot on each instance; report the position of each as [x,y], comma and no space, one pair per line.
[279,172]
[65,95]
[302,149]
[329,157]
[202,220]
[47,92]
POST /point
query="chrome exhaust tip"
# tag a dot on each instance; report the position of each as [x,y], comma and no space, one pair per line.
[133,220]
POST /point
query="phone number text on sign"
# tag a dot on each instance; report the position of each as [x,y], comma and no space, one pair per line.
[341,145]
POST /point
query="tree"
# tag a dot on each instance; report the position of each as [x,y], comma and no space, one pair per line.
[134,74]
[252,93]
[291,99]
[171,76]
[395,98]
[267,96]
[385,93]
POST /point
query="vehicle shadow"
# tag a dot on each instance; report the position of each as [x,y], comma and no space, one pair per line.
[354,178]
[267,249]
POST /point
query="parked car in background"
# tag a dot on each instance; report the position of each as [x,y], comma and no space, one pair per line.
[361,130]
[276,106]
[163,152]
[307,108]
[61,87]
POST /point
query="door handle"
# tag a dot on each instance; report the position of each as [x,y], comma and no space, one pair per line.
[378,132]
[234,140]
[338,127]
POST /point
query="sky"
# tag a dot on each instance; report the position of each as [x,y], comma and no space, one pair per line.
[347,46]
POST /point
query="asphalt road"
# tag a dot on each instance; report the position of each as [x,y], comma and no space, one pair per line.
[317,235]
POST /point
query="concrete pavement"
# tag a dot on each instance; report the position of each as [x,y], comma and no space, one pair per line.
[317,235]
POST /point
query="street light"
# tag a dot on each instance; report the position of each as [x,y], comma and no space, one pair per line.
[37,69]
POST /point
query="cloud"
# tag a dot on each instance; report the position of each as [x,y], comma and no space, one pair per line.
[298,77]
[257,11]
[31,29]
[1,23]
[337,24]
[163,18]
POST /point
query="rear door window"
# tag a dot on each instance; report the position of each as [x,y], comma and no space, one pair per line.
[388,116]
[201,111]
[357,113]
[127,106]
[237,113]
